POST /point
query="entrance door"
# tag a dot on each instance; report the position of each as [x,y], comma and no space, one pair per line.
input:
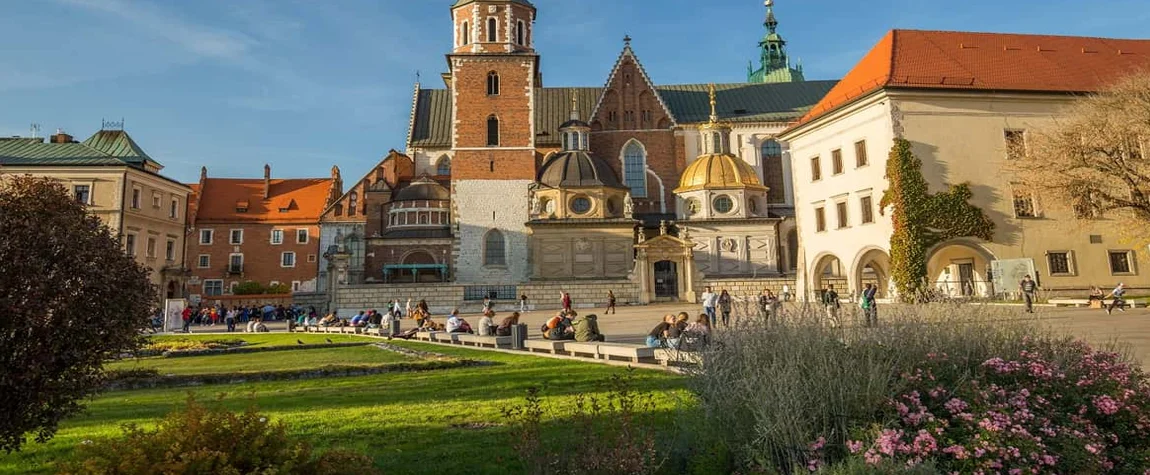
[966,279]
[666,280]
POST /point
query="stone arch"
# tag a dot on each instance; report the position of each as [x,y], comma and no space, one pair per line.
[960,268]
[827,268]
[877,261]
[418,256]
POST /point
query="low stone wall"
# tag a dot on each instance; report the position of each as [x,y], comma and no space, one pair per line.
[311,299]
[444,297]
[745,287]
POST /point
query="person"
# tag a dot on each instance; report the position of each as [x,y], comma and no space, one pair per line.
[230,320]
[558,328]
[832,304]
[187,316]
[331,320]
[610,303]
[504,328]
[456,324]
[487,324]
[709,300]
[678,326]
[258,326]
[487,304]
[868,304]
[587,329]
[657,338]
[523,303]
[786,293]
[423,307]
[357,318]
[696,334]
[725,306]
[565,300]
[1118,293]
[213,316]
[1028,288]
[764,304]
[407,309]
[1096,297]
[374,319]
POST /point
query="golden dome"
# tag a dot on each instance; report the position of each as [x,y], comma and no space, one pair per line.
[712,172]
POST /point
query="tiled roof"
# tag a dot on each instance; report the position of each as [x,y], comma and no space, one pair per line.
[301,200]
[916,59]
[778,102]
[553,108]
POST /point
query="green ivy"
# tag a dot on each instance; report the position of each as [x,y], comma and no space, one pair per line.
[922,220]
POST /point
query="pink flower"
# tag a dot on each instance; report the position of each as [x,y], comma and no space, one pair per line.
[819,443]
[854,446]
[956,405]
[1106,404]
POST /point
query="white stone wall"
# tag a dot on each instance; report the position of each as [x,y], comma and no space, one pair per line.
[482,205]
[327,233]
[735,249]
[426,160]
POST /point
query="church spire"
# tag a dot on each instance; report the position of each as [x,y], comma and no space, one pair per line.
[771,23]
[774,66]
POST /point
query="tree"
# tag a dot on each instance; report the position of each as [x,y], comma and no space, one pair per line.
[70,299]
[922,220]
[1092,161]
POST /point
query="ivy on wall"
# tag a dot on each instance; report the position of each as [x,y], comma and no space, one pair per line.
[922,220]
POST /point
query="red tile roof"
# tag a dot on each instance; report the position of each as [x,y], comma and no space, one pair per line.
[916,59]
[300,200]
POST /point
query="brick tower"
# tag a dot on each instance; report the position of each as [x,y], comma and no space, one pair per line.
[493,75]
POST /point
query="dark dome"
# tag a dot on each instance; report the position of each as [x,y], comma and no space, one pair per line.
[423,189]
[574,123]
[577,168]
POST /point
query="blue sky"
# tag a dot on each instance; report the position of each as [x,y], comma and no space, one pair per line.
[305,84]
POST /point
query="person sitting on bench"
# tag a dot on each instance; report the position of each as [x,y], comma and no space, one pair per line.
[658,336]
[558,328]
[456,324]
[487,324]
[587,329]
[331,320]
[504,328]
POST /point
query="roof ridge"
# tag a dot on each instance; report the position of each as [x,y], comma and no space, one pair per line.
[411,120]
[627,51]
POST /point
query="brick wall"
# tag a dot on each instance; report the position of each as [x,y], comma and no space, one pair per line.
[261,258]
[662,158]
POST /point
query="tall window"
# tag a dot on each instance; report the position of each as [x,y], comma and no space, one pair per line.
[491,37]
[204,261]
[237,237]
[443,166]
[136,198]
[82,193]
[816,169]
[836,161]
[820,219]
[492,83]
[861,159]
[773,175]
[352,203]
[301,236]
[465,32]
[867,207]
[206,236]
[236,263]
[520,33]
[130,244]
[1015,143]
[635,169]
[287,259]
[841,212]
[494,249]
[492,131]
[151,249]
[170,250]
[1024,204]
[174,209]
[277,236]
[1121,262]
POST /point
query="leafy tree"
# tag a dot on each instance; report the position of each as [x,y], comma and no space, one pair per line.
[70,298]
[922,220]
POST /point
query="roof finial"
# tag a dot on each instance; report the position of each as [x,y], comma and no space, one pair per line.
[627,40]
[770,22]
[711,93]
[574,105]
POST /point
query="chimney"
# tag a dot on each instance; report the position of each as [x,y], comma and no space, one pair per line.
[61,137]
[267,181]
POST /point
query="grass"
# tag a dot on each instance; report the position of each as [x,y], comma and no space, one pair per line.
[408,422]
[259,362]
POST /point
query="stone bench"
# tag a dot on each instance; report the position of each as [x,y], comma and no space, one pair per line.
[546,346]
[1087,303]
[445,337]
[632,353]
[672,357]
[467,339]
[575,348]
[426,336]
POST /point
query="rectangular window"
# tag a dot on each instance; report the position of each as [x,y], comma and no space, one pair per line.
[1059,262]
[866,205]
[130,244]
[1121,262]
[204,262]
[1024,204]
[136,198]
[841,211]
[295,284]
[206,236]
[82,193]
[816,169]
[861,159]
[277,236]
[1015,143]
[301,236]
[311,257]
[287,259]
[174,210]
[820,219]
[156,198]
[237,237]
[213,288]
[170,251]
[836,161]
[151,249]
[236,263]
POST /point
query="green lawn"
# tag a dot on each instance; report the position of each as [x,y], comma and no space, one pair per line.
[409,422]
[269,361]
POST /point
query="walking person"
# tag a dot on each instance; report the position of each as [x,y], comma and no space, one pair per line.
[230,320]
[725,307]
[565,300]
[408,309]
[187,316]
[786,293]
[523,303]
[1118,293]
[832,304]
[869,306]
[709,301]
[1028,288]
[610,303]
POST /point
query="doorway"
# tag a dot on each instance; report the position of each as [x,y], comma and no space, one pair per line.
[666,280]
[966,279]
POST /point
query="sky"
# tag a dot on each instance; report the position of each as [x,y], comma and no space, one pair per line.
[306,84]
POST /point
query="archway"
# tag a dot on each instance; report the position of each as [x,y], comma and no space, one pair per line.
[872,266]
[827,270]
[417,257]
[960,269]
[171,293]
[666,280]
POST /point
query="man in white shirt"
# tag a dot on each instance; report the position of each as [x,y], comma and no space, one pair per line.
[455,324]
[786,293]
[1119,302]
[709,301]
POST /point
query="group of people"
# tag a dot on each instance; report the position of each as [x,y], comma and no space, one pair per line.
[677,333]
[567,325]
[1028,287]
[253,317]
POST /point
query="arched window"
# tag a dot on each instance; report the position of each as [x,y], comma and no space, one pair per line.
[352,203]
[520,33]
[465,32]
[492,83]
[491,37]
[635,169]
[492,131]
[772,170]
[424,218]
[494,249]
[443,166]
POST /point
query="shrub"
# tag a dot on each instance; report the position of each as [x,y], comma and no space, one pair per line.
[202,439]
[160,346]
[249,288]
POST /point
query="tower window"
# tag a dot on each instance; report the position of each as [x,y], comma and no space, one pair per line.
[520,33]
[492,83]
[494,250]
[492,131]
[491,26]
[444,166]
[635,169]
[465,33]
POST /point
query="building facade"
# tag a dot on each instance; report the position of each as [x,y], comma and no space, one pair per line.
[122,185]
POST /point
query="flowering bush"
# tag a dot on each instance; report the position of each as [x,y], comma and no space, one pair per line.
[1055,407]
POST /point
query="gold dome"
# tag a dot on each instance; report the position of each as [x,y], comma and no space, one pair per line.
[712,172]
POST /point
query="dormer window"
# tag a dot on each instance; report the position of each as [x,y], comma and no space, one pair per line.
[241,206]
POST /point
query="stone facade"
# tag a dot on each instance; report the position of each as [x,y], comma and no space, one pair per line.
[442,298]
[490,209]
[581,252]
[735,248]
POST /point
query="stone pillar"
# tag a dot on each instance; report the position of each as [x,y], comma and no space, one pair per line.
[338,264]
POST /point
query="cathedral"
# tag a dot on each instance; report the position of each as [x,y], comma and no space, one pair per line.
[504,181]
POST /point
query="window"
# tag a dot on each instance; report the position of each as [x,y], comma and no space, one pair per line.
[174,209]
[836,162]
[156,198]
[1086,203]
[1015,144]
[1059,262]
[204,261]
[82,193]
[1121,262]
[611,116]
[236,263]
[237,237]
[301,236]
[491,33]
[866,204]
[352,203]
[492,83]
[492,131]
[136,198]
[170,251]
[841,212]
[311,257]
[861,159]
[494,249]
[295,285]
[581,205]
[130,244]
[723,204]
[772,148]
[232,287]
[520,33]
[213,288]
[151,249]
[635,169]
[277,236]
[465,32]
[287,259]
[443,167]
[206,236]
[1024,204]
[820,219]
[816,169]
